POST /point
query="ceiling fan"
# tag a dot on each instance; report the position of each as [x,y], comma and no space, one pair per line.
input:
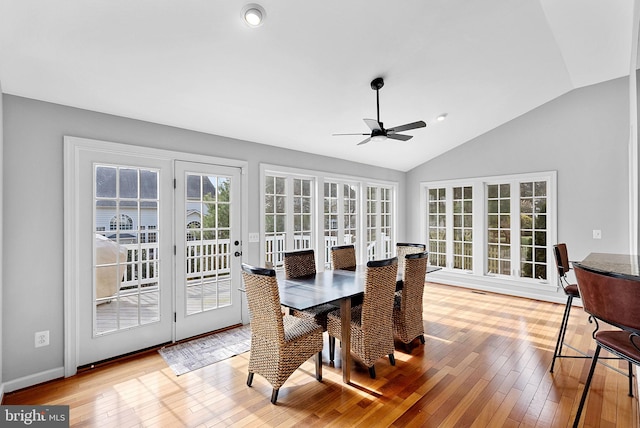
[378,132]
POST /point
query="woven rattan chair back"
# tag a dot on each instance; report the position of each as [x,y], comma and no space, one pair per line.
[263,299]
[407,314]
[299,263]
[279,344]
[404,248]
[343,257]
[376,337]
[371,323]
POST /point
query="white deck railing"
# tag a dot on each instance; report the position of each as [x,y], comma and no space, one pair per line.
[210,258]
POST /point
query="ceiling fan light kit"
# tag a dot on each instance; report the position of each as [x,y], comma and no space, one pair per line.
[378,132]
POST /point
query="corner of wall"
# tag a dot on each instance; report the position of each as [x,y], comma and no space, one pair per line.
[1,237]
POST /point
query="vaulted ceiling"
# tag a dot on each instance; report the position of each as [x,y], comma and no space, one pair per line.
[305,73]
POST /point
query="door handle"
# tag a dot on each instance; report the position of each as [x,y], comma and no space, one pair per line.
[237,253]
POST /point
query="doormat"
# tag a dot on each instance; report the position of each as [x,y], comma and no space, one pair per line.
[198,353]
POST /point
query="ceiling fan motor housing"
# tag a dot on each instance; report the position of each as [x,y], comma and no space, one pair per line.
[379,132]
[377,83]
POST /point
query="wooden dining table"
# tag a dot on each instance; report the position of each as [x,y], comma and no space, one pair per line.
[325,287]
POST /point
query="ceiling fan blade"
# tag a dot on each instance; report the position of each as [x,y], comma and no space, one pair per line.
[413,125]
[373,124]
[365,141]
[366,133]
[401,137]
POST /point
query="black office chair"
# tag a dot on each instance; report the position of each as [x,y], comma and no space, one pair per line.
[612,299]
[571,290]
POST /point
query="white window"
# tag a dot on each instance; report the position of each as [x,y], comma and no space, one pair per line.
[495,227]
[463,227]
[380,218]
[341,215]
[437,216]
[288,215]
[125,223]
[308,209]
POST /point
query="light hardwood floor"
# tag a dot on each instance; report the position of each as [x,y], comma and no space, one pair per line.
[485,364]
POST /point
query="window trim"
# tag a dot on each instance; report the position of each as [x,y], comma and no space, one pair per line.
[477,278]
[319,177]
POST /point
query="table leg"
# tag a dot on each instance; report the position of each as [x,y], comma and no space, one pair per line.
[345,350]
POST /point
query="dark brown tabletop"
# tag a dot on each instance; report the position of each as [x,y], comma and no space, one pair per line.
[324,287]
[625,265]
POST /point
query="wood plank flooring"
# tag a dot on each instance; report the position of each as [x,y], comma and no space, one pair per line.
[485,364]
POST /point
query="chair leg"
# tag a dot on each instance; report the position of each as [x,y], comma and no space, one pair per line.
[332,348]
[563,329]
[274,396]
[586,386]
[421,337]
[392,359]
[630,379]
[319,366]
[250,379]
[372,372]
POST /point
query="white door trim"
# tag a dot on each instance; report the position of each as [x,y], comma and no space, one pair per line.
[73,146]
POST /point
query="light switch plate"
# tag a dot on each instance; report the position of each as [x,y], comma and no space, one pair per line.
[597,234]
[254,237]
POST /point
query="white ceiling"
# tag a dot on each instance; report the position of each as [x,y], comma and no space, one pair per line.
[306,72]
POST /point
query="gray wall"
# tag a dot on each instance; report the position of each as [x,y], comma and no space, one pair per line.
[1,238]
[33,240]
[583,135]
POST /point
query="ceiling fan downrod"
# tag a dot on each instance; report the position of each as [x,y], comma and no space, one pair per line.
[377,84]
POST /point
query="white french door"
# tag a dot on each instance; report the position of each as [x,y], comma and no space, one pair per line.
[152,249]
[208,248]
[124,255]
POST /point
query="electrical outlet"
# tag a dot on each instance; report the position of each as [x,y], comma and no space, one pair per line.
[42,338]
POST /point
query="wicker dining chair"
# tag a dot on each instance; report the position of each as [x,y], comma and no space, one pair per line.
[343,257]
[299,264]
[407,308]
[279,344]
[571,291]
[612,299]
[371,323]
[404,248]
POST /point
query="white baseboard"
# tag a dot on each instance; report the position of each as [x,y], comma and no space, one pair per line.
[496,285]
[34,379]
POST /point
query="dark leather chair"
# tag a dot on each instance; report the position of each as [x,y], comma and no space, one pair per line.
[571,291]
[612,299]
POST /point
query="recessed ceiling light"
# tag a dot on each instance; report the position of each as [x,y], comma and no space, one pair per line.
[253,15]
[442,117]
